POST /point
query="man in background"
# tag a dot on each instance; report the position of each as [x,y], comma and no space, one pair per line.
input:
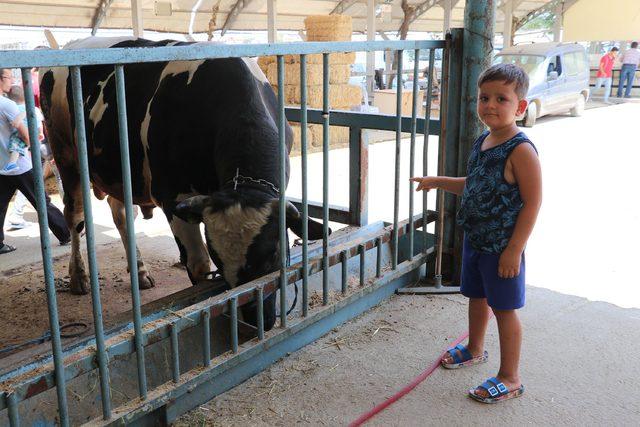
[605,71]
[20,178]
[630,61]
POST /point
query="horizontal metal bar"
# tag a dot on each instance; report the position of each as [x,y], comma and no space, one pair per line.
[336,213]
[381,288]
[39,379]
[363,120]
[196,51]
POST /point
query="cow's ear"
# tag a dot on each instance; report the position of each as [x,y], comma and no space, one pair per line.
[294,222]
[191,209]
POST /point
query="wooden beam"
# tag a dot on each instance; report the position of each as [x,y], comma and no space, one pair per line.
[233,15]
[421,9]
[548,7]
[99,15]
[136,18]
[514,4]
[342,6]
[272,11]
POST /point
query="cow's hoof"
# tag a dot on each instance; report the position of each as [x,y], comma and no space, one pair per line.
[79,286]
[145,281]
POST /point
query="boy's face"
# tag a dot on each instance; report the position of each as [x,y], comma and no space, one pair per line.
[498,104]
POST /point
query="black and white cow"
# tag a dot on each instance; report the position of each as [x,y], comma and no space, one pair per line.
[203,145]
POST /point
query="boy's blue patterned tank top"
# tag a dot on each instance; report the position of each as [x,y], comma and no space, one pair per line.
[490,205]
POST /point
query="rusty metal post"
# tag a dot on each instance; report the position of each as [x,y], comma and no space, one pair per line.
[477,52]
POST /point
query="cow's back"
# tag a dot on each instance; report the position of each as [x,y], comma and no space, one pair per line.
[189,121]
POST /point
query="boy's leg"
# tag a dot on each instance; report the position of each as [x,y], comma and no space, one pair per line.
[478,322]
[510,331]
[471,287]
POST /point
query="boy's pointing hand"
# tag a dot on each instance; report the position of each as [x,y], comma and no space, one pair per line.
[425,183]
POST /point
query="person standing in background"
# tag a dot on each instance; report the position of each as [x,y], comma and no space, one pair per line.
[630,61]
[20,178]
[605,71]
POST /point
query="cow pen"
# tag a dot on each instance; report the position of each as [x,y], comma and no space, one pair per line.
[181,351]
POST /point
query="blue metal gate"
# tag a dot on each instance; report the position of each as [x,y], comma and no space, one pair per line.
[167,347]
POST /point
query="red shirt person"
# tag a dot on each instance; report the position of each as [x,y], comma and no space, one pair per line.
[605,72]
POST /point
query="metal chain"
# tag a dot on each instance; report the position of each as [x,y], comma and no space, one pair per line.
[241,179]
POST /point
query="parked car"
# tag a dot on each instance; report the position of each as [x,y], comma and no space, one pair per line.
[558,77]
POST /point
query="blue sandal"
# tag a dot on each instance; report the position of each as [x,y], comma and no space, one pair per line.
[467,358]
[497,391]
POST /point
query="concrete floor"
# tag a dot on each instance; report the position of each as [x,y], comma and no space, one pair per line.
[582,320]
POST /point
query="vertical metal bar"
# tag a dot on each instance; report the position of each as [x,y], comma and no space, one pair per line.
[396,188]
[325,179]
[45,244]
[305,206]
[12,403]
[175,352]
[363,253]
[81,140]
[358,176]
[343,262]
[233,306]
[442,140]
[260,309]
[425,146]
[132,257]
[282,211]
[378,256]
[412,149]
[206,337]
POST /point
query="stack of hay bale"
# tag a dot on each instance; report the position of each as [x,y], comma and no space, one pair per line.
[342,96]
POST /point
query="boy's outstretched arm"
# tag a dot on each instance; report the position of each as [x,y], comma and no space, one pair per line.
[526,169]
[449,184]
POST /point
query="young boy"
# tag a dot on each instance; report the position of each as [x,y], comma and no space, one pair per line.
[501,196]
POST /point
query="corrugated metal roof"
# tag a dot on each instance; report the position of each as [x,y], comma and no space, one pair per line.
[253,16]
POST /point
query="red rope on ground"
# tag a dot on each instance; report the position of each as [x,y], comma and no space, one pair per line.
[399,395]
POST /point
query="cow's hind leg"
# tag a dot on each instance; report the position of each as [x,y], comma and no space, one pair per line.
[145,281]
[74,216]
[193,254]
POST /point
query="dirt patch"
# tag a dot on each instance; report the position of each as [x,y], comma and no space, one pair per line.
[23,300]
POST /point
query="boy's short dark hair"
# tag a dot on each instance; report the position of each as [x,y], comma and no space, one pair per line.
[508,73]
[634,45]
[16,94]
[614,49]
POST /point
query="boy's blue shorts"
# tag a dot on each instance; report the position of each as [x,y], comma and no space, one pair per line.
[480,280]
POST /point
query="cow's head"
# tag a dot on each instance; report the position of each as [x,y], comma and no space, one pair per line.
[242,232]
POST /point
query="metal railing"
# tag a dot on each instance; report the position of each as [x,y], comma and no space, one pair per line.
[35,378]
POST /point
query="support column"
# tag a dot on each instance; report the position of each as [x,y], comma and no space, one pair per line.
[557,23]
[447,5]
[272,11]
[476,56]
[136,18]
[508,23]
[371,36]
